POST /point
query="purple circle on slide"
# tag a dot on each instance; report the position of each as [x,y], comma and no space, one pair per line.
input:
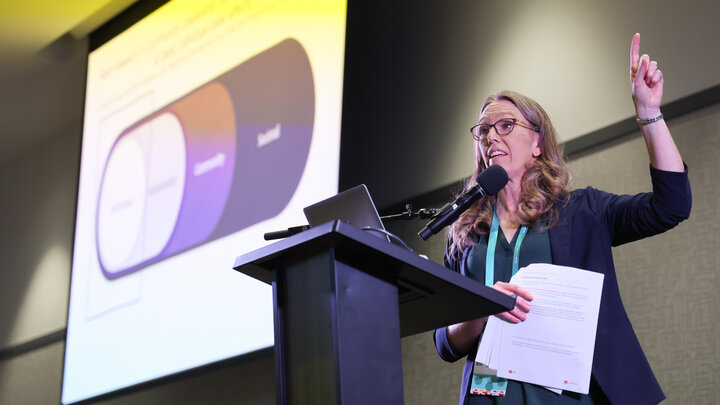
[209,123]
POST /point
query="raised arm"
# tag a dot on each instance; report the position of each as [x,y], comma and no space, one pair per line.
[647,91]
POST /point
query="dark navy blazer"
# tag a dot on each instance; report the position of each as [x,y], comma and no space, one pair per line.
[591,223]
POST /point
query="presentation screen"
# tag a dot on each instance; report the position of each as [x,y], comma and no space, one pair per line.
[206,125]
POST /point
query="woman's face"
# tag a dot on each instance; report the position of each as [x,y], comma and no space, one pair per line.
[514,151]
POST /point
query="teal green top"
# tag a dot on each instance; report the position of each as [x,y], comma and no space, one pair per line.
[535,248]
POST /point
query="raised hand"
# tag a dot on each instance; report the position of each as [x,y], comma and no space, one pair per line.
[646,82]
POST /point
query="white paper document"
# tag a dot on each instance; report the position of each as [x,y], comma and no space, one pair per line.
[554,346]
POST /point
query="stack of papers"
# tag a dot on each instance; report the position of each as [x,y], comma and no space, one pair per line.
[554,346]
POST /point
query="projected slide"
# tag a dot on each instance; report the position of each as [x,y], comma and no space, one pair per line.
[200,168]
[206,124]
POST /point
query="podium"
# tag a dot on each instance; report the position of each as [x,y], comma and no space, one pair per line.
[342,299]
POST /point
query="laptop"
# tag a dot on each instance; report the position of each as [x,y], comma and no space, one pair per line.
[354,206]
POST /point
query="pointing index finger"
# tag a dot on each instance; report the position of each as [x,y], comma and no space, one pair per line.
[634,55]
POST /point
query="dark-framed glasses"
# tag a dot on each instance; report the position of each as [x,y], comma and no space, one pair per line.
[502,127]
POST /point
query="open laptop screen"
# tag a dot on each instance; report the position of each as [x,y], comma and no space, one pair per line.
[354,206]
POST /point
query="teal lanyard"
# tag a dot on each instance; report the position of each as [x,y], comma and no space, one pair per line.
[492,244]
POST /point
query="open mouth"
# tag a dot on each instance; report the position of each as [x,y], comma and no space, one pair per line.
[497,153]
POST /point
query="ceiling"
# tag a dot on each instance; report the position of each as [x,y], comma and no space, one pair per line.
[43,49]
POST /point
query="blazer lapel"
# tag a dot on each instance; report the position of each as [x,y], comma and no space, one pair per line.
[560,239]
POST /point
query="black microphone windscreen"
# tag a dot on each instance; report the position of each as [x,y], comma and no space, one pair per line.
[492,179]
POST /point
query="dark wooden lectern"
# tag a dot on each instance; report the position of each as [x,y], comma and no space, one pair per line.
[342,300]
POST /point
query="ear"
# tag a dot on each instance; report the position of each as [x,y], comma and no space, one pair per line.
[536,149]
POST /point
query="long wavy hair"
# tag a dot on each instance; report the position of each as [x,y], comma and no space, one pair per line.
[544,184]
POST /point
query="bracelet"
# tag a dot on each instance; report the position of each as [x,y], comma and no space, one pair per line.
[643,122]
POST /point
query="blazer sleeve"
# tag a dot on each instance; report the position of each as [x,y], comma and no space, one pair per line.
[629,218]
[442,345]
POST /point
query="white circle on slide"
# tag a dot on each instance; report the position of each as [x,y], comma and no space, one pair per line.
[121,205]
[166,181]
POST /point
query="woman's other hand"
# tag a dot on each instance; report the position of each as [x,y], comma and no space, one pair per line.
[522,306]
[462,336]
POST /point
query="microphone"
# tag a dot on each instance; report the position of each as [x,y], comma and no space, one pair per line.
[284,234]
[489,182]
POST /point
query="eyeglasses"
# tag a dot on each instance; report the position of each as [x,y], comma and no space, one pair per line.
[502,127]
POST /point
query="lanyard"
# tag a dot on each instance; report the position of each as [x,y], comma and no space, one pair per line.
[492,244]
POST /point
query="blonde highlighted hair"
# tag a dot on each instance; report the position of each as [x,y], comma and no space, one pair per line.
[544,183]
